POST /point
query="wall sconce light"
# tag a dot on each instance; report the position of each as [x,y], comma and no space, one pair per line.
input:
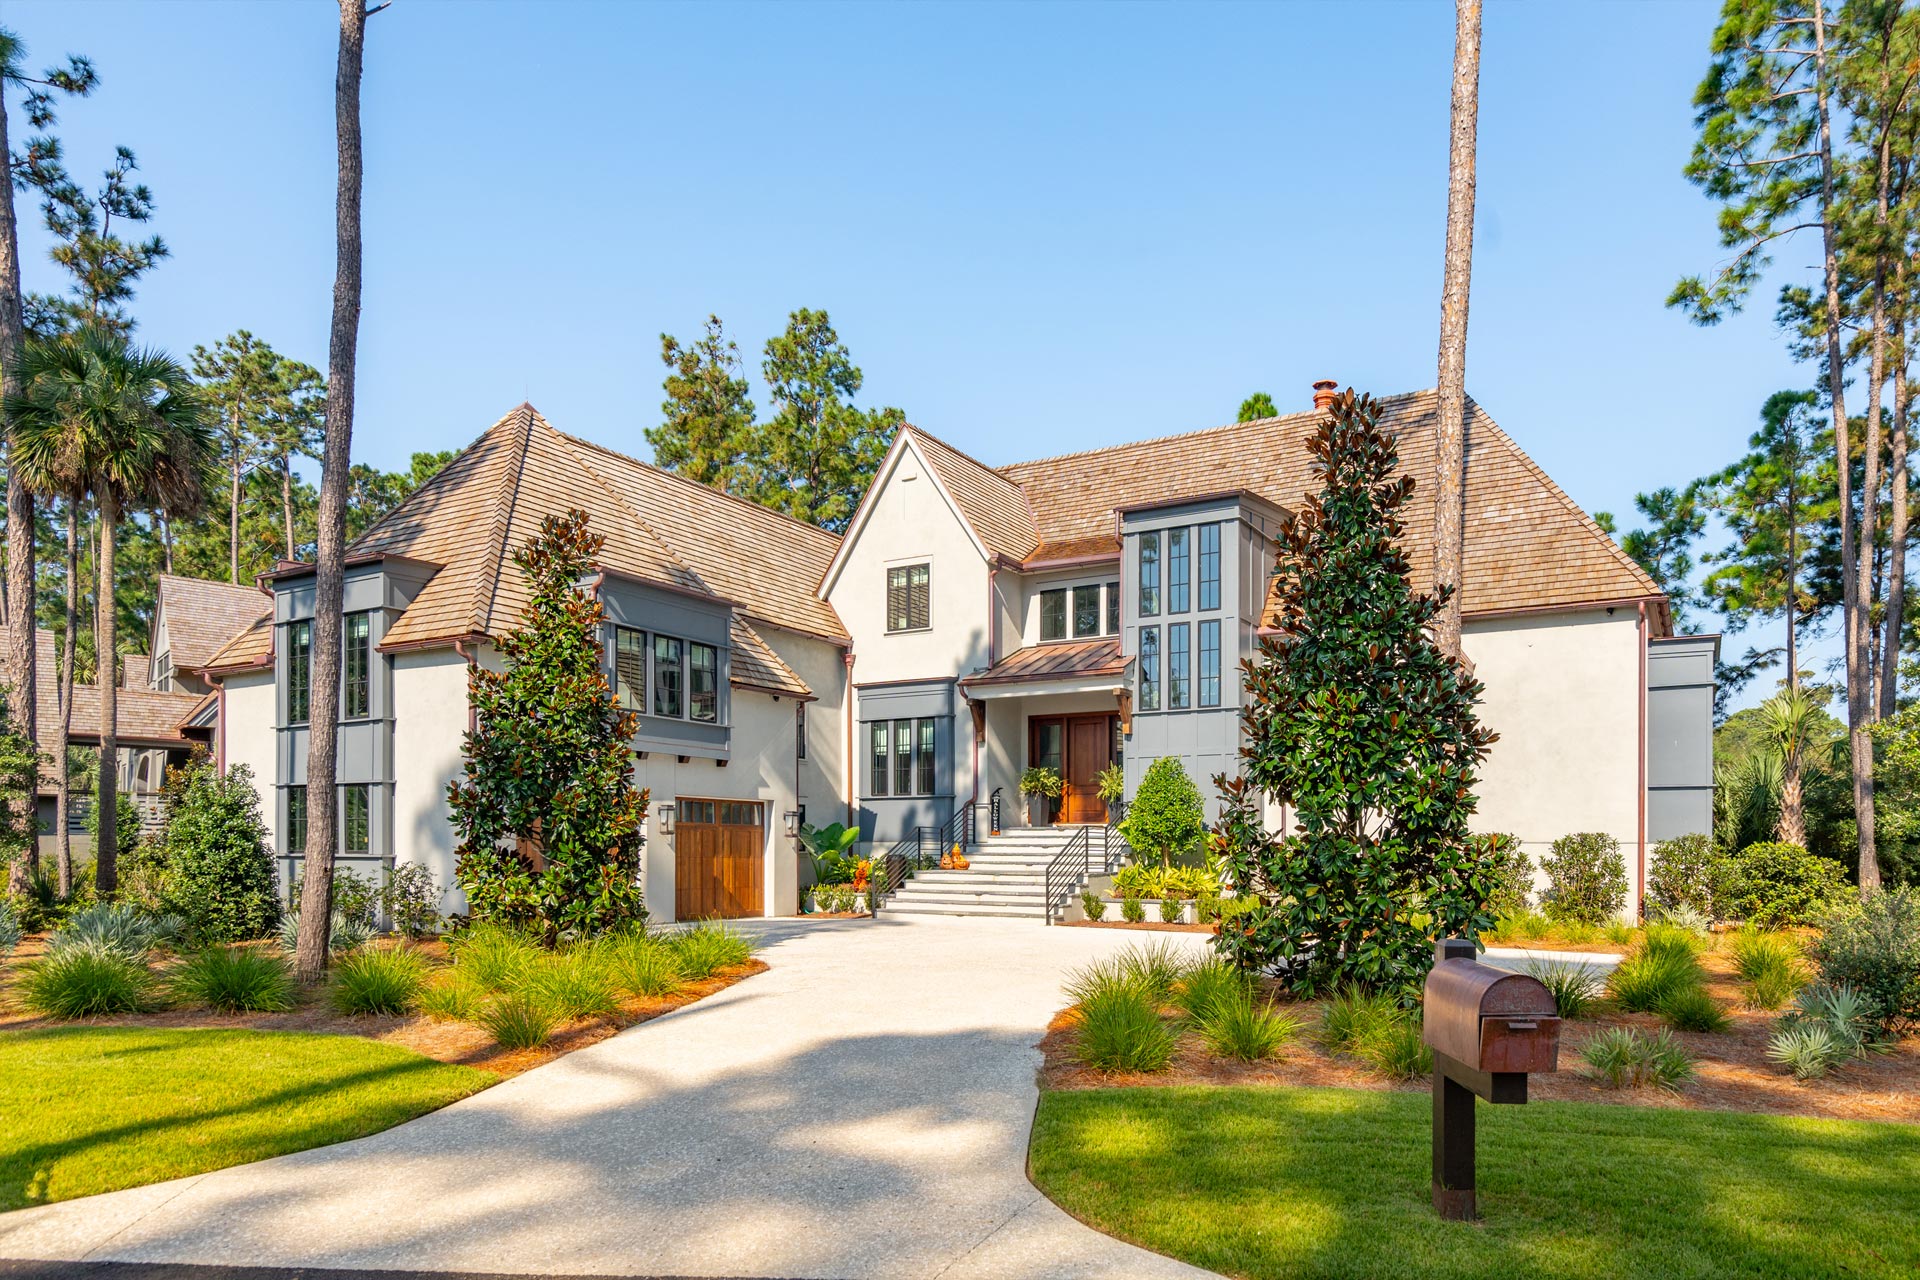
[793,823]
[664,815]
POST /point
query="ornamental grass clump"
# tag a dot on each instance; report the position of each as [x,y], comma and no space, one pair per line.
[1121,1030]
[643,966]
[708,947]
[382,980]
[1362,725]
[1397,1047]
[1624,1059]
[1693,1009]
[1236,1025]
[236,979]
[1770,967]
[452,996]
[85,980]
[494,956]
[1661,967]
[1575,988]
[576,983]
[1207,983]
[518,1019]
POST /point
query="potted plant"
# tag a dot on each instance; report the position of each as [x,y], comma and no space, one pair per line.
[1112,784]
[1041,786]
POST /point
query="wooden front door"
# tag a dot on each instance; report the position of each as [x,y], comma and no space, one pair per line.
[1079,747]
[719,859]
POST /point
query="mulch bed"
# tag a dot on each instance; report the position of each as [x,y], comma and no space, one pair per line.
[1731,1070]
[455,1042]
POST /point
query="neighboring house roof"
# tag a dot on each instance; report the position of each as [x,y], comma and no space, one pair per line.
[136,671]
[480,509]
[201,616]
[1528,545]
[144,717]
[1077,658]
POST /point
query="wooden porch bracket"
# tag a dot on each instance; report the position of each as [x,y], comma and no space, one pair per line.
[1125,698]
[979,710]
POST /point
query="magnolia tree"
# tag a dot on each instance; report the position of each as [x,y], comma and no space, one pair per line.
[550,822]
[1366,731]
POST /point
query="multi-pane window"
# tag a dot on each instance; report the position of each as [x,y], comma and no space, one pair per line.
[1177,694]
[355,836]
[296,820]
[1149,668]
[668,654]
[901,755]
[1086,611]
[1113,608]
[1210,663]
[909,605]
[630,668]
[1177,570]
[355,686]
[1209,566]
[703,683]
[1149,574]
[299,672]
[1053,614]
[799,731]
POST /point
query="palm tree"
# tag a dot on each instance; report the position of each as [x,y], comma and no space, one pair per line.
[98,417]
[1791,719]
[1450,478]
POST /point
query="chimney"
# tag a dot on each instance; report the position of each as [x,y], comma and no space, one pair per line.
[1323,393]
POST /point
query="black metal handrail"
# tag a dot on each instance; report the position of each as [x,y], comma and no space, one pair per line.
[1073,864]
[958,830]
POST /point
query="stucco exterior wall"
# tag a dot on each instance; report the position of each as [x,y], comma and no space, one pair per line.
[249,738]
[1563,693]
[430,715]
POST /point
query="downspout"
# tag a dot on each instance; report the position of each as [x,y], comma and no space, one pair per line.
[1640,888]
[993,631]
[220,727]
[851,773]
[473,720]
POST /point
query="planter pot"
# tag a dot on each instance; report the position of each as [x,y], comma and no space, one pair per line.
[1040,811]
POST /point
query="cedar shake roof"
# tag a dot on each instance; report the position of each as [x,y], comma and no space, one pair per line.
[477,511]
[993,506]
[1528,544]
[251,648]
[202,616]
[1084,658]
[144,717]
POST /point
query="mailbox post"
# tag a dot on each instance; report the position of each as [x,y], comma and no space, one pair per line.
[1488,1030]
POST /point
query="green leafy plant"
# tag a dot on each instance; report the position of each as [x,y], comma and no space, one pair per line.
[1692,1009]
[235,980]
[828,848]
[1775,884]
[704,949]
[549,820]
[1041,780]
[1365,727]
[379,980]
[1170,910]
[1808,1050]
[1657,970]
[1235,1025]
[1682,876]
[1132,910]
[411,900]
[1827,1026]
[643,966]
[9,929]
[219,866]
[85,980]
[518,1019]
[1625,1059]
[347,934]
[113,926]
[1112,783]
[452,996]
[126,827]
[576,983]
[1167,818]
[1586,879]
[1873,946]
[1093,904]
[1521,926]
[1508,873]
[1120,1030]
[1769,965]
[1575,988]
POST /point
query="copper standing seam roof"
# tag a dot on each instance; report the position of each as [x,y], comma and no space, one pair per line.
[1086,659]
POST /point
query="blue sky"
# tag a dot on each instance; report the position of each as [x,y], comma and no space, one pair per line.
[1039,227]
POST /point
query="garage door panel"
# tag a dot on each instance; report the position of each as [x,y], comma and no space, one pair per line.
[719,859]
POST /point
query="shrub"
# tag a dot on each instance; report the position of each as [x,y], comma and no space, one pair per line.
[1586,878]
[575,984]
[1167,816]
[411,900]
[1573,985]
[518,1020]
[494,956]
[708,947]
[642,966]
[1131,910]
[1874,947]
[347,934]
[126,825]
[1625,1059]
[1777,884]
[1234,1025]
[84,980]
[1169,910]
[1683,876]
[1093,904]
[9,929]
[1121,1030]
[1206,983]
[452,996]
[1206,908]
[380,980]
[1508,873]
[1692,1009]
[1655,972]
[219,867]
[236,980]
[119,927]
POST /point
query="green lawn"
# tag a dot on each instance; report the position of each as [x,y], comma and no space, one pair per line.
[1308,1183]
[89,1109]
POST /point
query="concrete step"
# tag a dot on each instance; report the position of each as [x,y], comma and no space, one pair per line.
[895,907]
[1008,891]
[976,877]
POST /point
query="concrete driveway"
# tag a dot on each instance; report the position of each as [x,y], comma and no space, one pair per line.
[860,1110]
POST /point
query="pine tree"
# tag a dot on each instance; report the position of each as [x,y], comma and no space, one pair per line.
[1256,406]
[550,822]
[706,430]
[1365,728]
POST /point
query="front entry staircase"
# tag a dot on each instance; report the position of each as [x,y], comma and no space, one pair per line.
[1009,874]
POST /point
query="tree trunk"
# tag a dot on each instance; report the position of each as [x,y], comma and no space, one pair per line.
[316,899]
[166,539]
[233,504]
[63,731]
[21,645]
[286,499]
[1792,827]
[1896,542]
[1450,475]
[106,876]
[1793,570]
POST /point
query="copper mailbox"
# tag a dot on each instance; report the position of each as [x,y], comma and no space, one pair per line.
[1490,1020]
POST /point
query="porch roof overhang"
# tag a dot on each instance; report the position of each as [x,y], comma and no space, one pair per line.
[1079,666]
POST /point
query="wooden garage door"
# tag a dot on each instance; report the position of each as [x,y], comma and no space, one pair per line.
[720,848]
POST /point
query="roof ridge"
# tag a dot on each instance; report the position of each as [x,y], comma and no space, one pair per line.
[956,449]
[480,616]
[1187,435]
[438,480]
[677,478]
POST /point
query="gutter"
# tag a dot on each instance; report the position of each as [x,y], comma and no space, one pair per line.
[1640,892]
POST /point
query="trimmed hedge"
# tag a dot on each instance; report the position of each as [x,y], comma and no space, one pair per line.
[1586,879]
[1775,884]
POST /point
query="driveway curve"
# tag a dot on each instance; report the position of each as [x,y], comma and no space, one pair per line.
[860,1110]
